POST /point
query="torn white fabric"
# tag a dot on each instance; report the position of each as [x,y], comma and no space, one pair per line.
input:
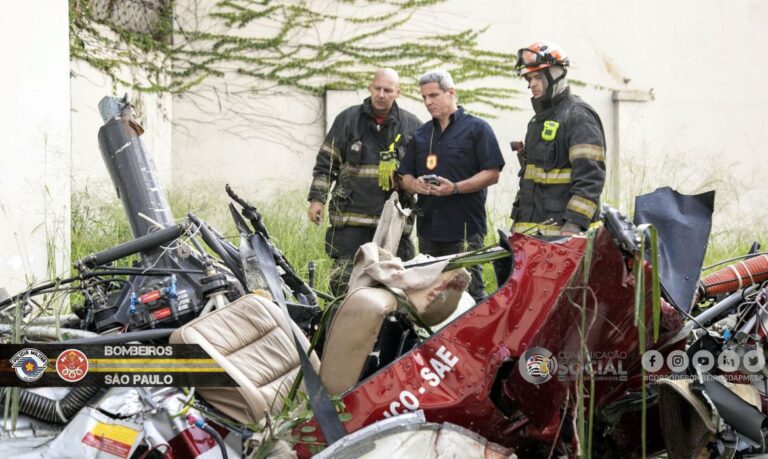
[391,224]
[375,266]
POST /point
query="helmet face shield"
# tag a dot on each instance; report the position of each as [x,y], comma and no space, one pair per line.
[539,56]
[529,58]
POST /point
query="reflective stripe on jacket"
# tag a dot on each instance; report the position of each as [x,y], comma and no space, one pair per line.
[349,160]
[562,174]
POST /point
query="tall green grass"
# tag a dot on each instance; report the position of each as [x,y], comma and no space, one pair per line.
[99,222]
[734,228]
[737,244]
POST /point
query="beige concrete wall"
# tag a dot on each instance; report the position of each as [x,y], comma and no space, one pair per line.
[34,141]
[705,127]
[236,130]
[154,111]
[257,144]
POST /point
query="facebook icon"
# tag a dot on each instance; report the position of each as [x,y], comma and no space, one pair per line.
[652,361]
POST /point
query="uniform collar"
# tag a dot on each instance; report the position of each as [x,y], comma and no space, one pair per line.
[392,117]
[541,105]
[455,116]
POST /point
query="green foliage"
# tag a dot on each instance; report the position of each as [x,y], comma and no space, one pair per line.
[99,222]
[300,240]
[727,245]
[733,229]
[308,45]
[494,222]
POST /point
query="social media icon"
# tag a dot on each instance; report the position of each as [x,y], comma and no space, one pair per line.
[754,361]
[652,361]
[677,361]
[728,361]
[703,360]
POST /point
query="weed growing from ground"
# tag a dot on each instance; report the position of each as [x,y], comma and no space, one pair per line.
[99,222]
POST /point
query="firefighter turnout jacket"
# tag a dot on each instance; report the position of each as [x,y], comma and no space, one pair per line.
[349,159]
[562,168]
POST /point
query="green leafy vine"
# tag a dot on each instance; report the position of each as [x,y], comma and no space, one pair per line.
[308,45]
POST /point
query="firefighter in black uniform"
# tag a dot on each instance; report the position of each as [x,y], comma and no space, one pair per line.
[359,156]
[563,158]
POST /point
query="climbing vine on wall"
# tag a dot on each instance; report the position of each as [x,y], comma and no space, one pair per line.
[177,46]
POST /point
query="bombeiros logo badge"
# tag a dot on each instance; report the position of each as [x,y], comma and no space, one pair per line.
[72,365]
[30,364]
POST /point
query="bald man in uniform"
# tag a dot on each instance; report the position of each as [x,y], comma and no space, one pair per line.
[355,166]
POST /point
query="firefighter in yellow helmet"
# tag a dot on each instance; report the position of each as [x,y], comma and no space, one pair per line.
[563,156]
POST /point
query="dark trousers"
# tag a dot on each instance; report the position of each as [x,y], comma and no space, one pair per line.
[440,248]
[342,243]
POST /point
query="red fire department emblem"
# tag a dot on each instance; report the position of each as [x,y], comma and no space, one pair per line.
[72,365]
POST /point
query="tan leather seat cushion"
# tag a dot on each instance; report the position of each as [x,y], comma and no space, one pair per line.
[352,335]
[437,302]
[251,339]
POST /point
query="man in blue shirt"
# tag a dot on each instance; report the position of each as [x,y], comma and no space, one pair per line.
[449,162]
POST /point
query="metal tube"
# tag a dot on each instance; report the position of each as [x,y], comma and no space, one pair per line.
[136,180]
[141,244]
[725,305]
[51,320]
[743,333]
[50,332]
[120,338]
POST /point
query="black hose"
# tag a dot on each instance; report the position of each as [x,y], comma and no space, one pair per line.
[56,284]
[35,290]
[323,295]
[45,409]
[212,432]
[743,417]
[140,244]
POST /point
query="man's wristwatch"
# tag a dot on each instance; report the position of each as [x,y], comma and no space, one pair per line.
[455,188]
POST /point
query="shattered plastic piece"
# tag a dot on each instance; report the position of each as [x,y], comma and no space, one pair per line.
[726,334]
[683,222]
[92,434]
[122,402]
[409,432]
